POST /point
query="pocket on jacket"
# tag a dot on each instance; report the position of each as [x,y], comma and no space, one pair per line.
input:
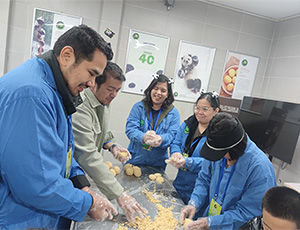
[96,128]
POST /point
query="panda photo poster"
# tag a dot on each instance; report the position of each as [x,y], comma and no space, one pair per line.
[146,56]
[192,72]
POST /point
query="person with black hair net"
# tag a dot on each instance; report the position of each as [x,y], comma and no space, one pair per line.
[189,139]
[233,180]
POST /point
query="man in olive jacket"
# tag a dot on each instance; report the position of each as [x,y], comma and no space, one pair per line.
[91,135]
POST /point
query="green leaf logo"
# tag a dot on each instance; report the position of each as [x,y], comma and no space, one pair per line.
[186,130]
[135,36]
[142,122]
[60,25]
[244,62]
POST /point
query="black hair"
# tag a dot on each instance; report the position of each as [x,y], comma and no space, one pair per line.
[212,98]
[225,123]
[161,78]
[113,70]
[84,40]
[284,203]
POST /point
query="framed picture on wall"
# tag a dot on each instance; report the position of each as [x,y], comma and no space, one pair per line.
[193,69]
[238,75]
[47,27]
[146,56]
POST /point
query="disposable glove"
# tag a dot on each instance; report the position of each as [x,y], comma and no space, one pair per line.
[149,137]
[101,208]
[201,224]
[177,160]
[129,205]
[120,153]
[187,211]
[157,141]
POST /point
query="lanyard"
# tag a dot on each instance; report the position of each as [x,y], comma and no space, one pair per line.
[197,140]
[220,178]
[149,122]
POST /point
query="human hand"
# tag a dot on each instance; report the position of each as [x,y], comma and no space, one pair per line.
[101,208]
[201,224]
[129,205]
[149,137]
[177,160]
[187,211]
[121,154]
[157,141]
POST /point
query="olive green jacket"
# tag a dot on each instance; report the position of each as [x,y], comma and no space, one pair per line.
[90,133]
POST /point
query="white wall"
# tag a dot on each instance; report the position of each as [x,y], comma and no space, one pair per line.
[276,43]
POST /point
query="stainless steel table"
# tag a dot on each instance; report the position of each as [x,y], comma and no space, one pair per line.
[165,192]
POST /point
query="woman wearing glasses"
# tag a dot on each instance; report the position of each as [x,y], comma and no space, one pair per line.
[152,124]
[185,149]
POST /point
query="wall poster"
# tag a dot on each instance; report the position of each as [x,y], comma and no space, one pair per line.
[193,69]
[238,75]
[146,56]
[47,27]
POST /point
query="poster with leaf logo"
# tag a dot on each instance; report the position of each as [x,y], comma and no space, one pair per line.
[47,28]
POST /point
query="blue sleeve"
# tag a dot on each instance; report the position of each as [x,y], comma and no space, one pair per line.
[76,170]
[133,125]
[194,164]
[174,123]
[202,186]
[259,180]
[179,141]
[35,156]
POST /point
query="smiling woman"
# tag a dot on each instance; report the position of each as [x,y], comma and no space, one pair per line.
[152,124]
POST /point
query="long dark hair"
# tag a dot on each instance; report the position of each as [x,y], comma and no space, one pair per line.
[160,78]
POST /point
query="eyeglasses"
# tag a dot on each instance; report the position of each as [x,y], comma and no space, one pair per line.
[204,109]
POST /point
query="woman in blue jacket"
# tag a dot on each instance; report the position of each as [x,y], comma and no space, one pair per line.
[152,124]
[190,137]
[233,180]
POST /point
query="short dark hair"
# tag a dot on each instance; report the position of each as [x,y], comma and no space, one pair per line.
[161,78]
[211,98]
[113,70]
[225,123]
[284,203]
[84,40]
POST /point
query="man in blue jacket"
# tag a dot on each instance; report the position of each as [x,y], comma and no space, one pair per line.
[41,185]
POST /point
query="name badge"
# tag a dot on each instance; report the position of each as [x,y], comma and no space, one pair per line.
[147,147]
[214,208]
[68,164]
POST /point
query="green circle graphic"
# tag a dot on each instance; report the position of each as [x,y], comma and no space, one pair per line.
[60,25]
[135,36]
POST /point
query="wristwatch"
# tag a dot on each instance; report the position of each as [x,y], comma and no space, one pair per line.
[111,147]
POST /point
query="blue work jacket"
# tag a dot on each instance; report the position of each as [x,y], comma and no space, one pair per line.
[137,126]
[34,141]
[187,175]
[253,176]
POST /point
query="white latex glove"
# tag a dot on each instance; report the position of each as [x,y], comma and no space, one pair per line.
[177,160]
[187,211]
[157,141]
[121,154]
[130,206]
[149,137]
[101,208]
[201,224]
